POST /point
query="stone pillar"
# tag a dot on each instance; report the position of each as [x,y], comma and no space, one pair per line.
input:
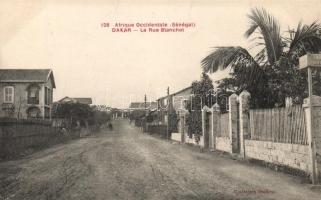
[204,110]
[181,127]
[314,135]
[244,109]
[183,124]
[233,115]
[215,124]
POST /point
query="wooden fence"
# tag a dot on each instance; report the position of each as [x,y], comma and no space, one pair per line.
[285,125]
[224,125]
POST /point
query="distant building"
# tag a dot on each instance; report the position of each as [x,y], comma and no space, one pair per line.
[180,98]
[26,93]
[87,101]
[176,102]
[103,108]
[141,106]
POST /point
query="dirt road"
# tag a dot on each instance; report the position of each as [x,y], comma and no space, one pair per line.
[126,164]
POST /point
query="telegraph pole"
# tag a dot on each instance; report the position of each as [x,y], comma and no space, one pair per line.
[145,100]
[145,124]
[168,117]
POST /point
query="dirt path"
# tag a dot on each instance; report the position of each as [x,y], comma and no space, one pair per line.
[126,164]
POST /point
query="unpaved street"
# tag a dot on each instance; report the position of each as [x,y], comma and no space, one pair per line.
[126,164]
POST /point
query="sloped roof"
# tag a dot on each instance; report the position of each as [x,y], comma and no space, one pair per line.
[82,100]
[182,90]
[26,75]
[175,93]
[141,105]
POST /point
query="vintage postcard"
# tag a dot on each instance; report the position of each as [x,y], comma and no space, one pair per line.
[160,100]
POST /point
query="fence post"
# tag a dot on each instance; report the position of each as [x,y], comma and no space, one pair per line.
[215,124]
[244,109]
[181,125]
[314,136]
[233,115]
[202,141]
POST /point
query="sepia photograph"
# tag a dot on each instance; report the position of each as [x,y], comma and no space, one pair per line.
[160,100]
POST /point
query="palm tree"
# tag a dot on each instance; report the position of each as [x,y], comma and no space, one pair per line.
[276,55]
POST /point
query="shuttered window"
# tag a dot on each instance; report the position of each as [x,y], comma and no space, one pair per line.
[8,94]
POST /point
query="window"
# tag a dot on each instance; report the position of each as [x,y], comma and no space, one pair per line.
[8,94]
[51,96]
[33,94]
[48,96]
[184,104]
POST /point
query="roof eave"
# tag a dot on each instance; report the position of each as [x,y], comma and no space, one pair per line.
[53,78]
[22,81]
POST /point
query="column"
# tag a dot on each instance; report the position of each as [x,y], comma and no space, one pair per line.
[314,136]
[233,115]
[215,124]
[204,110]
[244,109]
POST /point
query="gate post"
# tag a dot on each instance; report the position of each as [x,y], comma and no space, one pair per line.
[233,123]
[244,109]
[204,137]
[182,120]
[314,136]
[215,124]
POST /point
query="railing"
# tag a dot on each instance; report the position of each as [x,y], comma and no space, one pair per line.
[33,100]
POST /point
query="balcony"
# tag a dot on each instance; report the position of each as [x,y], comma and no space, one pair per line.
[33,100]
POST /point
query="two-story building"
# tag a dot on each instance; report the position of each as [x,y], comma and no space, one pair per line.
[176,102]
[26,93]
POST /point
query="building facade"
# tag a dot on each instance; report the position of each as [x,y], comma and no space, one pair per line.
[26,93]
[175,102]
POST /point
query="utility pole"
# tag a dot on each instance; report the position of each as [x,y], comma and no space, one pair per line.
[145,125]
[168,117]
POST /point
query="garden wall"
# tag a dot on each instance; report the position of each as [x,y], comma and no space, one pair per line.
[158,129]
[291,155]
[279,136]
[223,144]
[176,137]
[16,136]
[189,140]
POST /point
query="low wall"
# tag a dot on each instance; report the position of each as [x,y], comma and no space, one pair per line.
[176,137]
[223,144]
[158,129]
[18,136]
[189,140]
[291,155]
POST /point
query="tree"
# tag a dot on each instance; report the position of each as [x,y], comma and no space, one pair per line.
[272,74]
[201,96]
[74,112]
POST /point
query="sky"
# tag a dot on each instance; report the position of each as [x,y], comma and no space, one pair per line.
[116,68]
